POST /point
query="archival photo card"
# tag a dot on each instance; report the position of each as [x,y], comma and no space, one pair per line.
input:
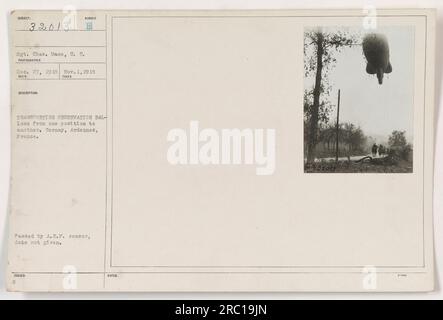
[240,151]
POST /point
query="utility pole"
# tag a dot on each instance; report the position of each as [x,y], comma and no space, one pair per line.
[337,127]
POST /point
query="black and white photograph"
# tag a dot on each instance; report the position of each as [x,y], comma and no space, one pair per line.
[358,100]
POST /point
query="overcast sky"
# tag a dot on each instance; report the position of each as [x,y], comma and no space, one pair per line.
[378,109]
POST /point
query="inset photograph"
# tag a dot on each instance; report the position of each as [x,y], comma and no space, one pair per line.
[358,100]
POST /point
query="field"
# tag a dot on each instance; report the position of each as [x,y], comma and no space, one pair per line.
[380,165]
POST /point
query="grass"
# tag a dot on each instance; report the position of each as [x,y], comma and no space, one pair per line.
[400,166]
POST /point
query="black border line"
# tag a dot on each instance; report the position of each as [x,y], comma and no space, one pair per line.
[106,155]
[234,272]
[266,16]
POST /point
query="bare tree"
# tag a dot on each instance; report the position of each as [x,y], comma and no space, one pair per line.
[319,49]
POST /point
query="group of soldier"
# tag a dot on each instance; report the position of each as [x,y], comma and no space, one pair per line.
[381,149]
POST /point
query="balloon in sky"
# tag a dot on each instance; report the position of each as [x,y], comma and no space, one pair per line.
[376,51]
